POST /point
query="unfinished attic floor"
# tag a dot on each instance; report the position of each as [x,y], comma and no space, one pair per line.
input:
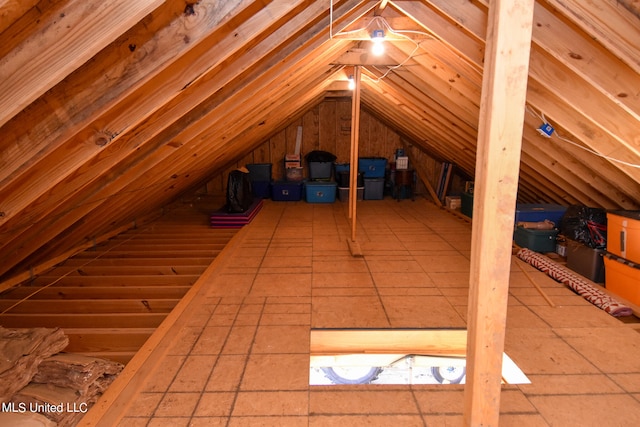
[238,354]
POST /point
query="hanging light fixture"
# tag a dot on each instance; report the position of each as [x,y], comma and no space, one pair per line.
[352,83]
[377,37]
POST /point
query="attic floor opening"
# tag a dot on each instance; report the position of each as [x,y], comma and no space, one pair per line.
[394,356]
[240,351]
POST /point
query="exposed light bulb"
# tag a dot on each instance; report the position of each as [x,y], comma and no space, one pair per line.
[377,37]
[377,49]
[352,83]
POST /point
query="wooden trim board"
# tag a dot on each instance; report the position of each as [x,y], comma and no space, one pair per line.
[435,342]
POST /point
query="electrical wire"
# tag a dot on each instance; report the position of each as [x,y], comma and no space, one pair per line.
[382,23]
[542,117]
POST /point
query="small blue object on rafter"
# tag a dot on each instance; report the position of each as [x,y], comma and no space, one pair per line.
[546,130]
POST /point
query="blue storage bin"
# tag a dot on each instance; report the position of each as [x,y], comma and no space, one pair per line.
[538,212]
[372,167]
[261,189]
[341,167]
[320,192]
[286,191]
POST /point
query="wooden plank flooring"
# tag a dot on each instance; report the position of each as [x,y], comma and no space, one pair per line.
[109,299]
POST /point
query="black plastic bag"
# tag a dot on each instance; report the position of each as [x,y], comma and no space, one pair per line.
[320,156]
[239,194]
[585,225]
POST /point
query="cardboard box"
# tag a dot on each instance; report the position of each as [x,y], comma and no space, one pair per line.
[453,202]
[292,161]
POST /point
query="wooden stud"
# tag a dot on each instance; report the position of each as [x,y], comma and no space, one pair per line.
[498,161]
[353,168]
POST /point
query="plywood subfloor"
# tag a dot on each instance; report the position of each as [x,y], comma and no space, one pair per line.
[241,353]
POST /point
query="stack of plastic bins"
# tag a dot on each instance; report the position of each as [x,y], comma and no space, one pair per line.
[320,165]
[260,176]
[622,259]
[293,170]
[320,188]
[343,177]
[289,189]
[539,240]
[373,169]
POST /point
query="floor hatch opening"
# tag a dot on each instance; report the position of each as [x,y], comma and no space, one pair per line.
[394,356]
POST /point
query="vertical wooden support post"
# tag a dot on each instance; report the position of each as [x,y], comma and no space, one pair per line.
[353,167]
[502,110]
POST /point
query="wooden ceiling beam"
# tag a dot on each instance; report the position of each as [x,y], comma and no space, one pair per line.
[589,59]
[99,85]
[597,108]
[456,107]
[411,92]
[602,112]
[432,126]
[85,162]
[59,42]
[602,22]
[463,43]
[12,10]
[422,134]
[569,162]
[579,128]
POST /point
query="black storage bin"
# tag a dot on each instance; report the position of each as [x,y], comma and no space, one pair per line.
[320,164]
[259,171]
[342,178]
